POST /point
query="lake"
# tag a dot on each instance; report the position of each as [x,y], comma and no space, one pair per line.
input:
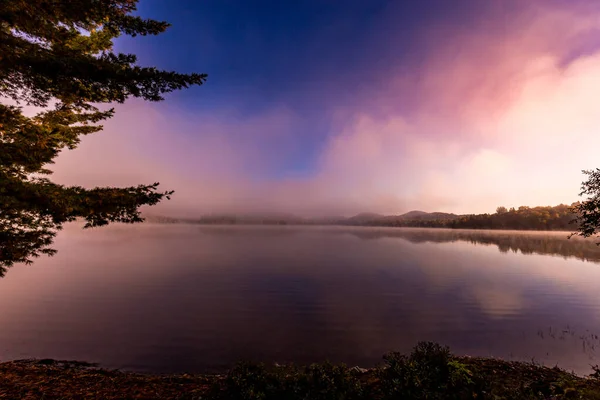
[190,298]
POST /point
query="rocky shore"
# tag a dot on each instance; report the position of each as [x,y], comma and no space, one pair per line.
[429,372]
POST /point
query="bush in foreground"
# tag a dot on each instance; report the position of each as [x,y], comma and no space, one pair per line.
[430,372]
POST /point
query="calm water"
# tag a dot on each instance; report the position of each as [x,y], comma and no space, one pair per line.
[174,298]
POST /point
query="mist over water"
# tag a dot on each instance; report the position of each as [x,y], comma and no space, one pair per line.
[175,298]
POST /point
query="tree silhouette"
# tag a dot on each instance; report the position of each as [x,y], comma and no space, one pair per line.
[588,211]
[57,55]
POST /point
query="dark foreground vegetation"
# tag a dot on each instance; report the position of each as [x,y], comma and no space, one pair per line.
[429,372]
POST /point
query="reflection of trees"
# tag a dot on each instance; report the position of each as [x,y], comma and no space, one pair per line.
[532,243]
[506,241]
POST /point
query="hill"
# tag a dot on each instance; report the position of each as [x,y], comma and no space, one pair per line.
[523,218]
[425,216]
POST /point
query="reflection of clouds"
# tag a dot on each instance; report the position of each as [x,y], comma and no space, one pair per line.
[502,291]
[171,297]
[498,302]
[449,265]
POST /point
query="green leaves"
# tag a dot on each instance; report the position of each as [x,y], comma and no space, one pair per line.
[60,52]
[588,211]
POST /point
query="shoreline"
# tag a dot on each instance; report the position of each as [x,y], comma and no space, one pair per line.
[316,225]
[382,227]
[430,369]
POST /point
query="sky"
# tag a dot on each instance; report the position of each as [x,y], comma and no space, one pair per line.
[326,107]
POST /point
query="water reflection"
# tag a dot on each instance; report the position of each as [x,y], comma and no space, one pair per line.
[177,298]
[525,242]
[553,243]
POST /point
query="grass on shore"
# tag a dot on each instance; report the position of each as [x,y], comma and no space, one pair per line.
[429,372]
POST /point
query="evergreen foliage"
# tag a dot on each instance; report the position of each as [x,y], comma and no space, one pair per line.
[58,55]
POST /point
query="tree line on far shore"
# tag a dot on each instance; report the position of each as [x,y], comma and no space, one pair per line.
[559,218]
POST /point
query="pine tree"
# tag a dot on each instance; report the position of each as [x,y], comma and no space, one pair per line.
[588,211]
[58,55]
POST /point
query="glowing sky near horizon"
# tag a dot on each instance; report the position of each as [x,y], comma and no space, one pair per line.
[339,107]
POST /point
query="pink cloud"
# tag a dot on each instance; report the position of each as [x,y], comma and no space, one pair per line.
[496,118]
[499,120]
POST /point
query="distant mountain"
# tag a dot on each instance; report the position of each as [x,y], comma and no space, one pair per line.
[415,214]
[364,217]
[425,216]
[290,219]
[523,218]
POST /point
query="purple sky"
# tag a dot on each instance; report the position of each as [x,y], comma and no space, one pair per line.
[330,107]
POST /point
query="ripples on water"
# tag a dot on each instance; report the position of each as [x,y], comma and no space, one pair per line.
[173,298]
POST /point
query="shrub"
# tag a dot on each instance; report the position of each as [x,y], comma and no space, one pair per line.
[328,382]
[316,382]
[428,373]
[249,381]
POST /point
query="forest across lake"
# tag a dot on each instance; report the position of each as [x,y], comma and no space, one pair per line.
[559,218]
